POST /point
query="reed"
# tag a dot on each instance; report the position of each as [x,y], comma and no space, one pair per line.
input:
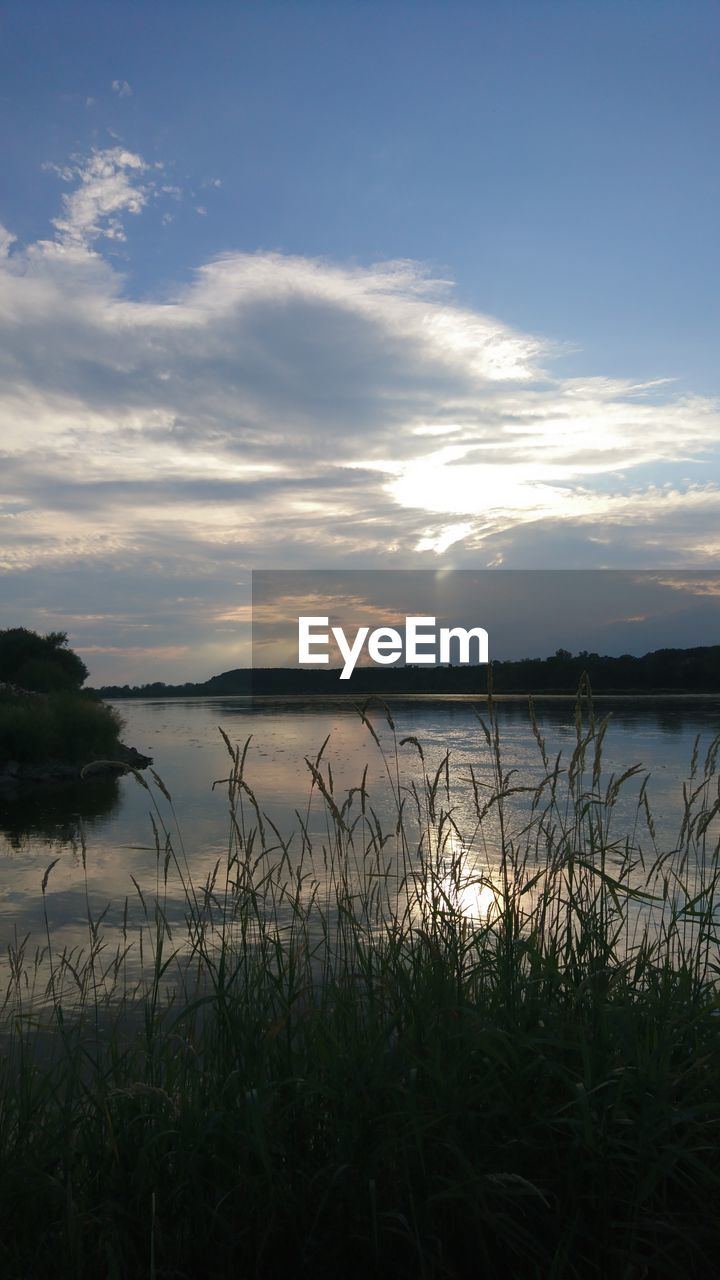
[398,1047]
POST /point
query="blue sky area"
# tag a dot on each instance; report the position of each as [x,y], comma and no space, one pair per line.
[352,284]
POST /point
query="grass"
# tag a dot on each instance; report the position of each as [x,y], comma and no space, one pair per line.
[70,727]
[358,1074]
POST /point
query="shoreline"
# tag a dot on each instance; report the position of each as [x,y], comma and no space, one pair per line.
[364,697]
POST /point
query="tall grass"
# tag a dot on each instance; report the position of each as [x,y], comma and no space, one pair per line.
[395,1048]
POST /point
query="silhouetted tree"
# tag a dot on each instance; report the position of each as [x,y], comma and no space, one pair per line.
[44,664]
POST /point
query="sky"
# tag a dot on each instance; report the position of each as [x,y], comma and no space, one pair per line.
[347,285]
[539,611]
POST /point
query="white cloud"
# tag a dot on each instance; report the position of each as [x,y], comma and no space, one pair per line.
[6,241]
[109,185]
[281,410]
[121,88]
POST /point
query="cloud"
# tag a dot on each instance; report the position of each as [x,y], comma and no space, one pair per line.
[109,185]
[7,240]
[283,410]
[121,88]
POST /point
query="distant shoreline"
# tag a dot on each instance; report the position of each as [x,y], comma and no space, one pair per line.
[662,673]
[607,696]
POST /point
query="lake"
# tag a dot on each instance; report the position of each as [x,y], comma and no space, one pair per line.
[113,817]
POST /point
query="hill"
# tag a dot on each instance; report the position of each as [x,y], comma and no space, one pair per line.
[672,671]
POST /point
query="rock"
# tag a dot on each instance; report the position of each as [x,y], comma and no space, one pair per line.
[14,775]
[129,755]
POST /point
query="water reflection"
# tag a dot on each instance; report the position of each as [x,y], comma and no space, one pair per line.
[472,896]
[182,736]
[454,883]
[56,814]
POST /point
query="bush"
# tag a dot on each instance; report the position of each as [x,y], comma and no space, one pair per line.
[69,727]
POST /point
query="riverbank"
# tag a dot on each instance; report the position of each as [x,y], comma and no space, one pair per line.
[55,738]
[381,1059]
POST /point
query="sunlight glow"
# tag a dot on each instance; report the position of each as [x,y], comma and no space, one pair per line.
[474,898]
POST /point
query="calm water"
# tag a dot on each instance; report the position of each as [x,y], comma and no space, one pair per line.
[183,737]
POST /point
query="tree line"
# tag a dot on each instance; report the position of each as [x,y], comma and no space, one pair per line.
[695,670]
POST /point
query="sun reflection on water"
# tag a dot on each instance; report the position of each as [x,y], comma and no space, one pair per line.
[475,899]
[455,883]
